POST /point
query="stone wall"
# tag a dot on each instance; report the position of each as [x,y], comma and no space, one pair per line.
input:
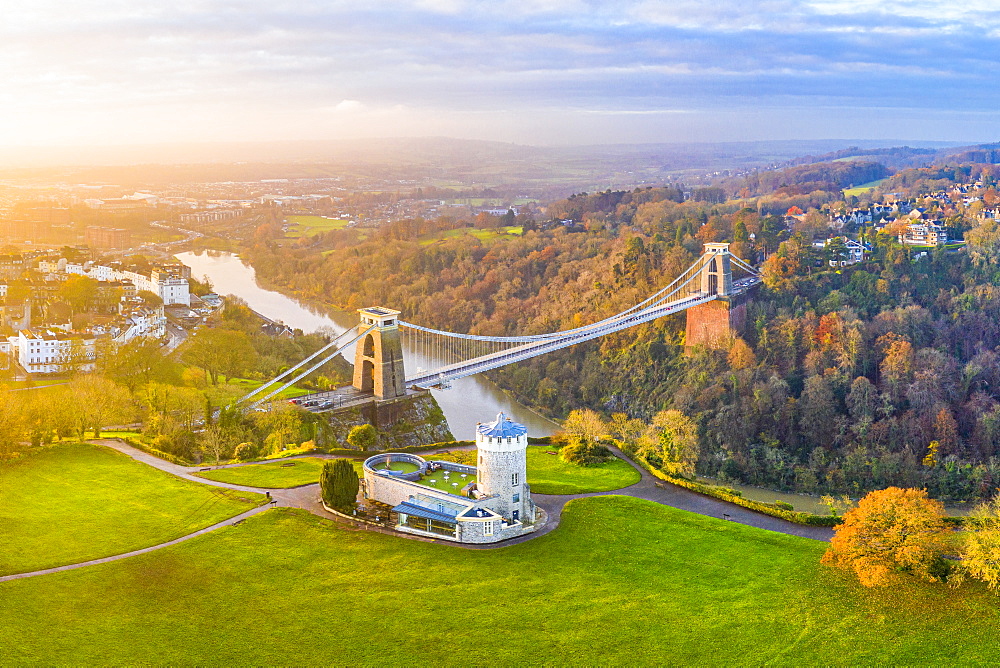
[404,422]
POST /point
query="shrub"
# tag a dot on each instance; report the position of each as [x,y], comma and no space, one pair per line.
[363,437]
[339,484]
[584,453]
[784,505]
[246,451]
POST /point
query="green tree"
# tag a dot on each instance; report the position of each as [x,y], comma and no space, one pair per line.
[582,452]
[220,351]
[79,292]
[338,484]
[677,441]
[363,437]
[133,364]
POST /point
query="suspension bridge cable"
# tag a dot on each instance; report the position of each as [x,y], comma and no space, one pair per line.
[312,368]
[294,368]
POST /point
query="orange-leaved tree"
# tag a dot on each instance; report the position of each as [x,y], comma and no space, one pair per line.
[891,530]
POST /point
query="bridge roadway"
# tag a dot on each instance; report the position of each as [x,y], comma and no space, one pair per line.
[342,397]
[535,348]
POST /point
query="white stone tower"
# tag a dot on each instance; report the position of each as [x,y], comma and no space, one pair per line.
[502,468]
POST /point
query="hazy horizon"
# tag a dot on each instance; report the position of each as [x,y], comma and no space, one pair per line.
[552,72]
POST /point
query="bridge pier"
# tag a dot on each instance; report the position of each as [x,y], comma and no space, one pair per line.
[716,323]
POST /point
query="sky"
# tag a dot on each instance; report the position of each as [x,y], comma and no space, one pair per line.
[541,72]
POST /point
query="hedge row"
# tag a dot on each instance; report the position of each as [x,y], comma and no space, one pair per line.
[139,445]
[729,496]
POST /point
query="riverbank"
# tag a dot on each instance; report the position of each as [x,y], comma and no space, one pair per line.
[470,400]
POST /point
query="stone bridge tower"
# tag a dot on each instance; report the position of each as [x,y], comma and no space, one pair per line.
[716,323]
[378,358]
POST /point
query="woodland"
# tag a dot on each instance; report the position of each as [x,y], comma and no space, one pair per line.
[844,380]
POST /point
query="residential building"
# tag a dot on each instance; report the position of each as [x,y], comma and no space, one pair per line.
[924,233]
[55,352]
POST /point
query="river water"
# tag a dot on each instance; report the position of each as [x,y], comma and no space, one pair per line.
[469,401]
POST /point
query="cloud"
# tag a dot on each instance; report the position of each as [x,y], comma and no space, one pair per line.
[192,66]
[348,106]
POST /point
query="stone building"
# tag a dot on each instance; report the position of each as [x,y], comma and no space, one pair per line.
[494,506]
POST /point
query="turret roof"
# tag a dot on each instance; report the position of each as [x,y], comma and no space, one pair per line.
[503,427]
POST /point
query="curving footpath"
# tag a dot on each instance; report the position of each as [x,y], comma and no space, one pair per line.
[307,498]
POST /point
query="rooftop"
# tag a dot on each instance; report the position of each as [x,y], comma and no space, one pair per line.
[502,427]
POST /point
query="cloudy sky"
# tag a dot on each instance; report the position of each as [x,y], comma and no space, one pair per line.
[527,71]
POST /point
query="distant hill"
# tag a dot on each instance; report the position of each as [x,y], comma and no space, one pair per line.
[562,168]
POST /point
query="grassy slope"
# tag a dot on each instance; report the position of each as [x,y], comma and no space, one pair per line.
[622,581]
[307,226]
[274,475]
[548,474]
[864,187]
[481,234]
[74,502]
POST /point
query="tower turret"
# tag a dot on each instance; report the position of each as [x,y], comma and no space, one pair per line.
[502,467]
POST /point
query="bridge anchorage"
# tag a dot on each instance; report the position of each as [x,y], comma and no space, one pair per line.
[714,300]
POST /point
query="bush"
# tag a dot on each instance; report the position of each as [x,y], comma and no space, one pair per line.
[246,451]
[784,505]
[363,437]
[584,453]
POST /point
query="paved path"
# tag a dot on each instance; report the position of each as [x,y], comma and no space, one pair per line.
[307,498]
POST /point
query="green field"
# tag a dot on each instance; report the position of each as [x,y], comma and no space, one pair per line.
[621,582]
[548,474]
[237,387]
[307,226]
[481,234]
[273,475]
[863,188]
[75,502]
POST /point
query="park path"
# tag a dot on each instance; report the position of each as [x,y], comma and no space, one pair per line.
[649,487]
[307,498]
[103,560]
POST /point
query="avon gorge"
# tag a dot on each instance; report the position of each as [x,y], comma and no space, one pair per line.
[527,334]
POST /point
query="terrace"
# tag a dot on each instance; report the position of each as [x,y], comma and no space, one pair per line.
[443,476]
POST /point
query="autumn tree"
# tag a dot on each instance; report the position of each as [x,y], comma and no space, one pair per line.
[677,442]
[981,549]
[101,403]
[586,424]
[741,355]
[890,530]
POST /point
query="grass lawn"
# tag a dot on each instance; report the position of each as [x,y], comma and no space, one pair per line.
[621,582]
[438,481]
[481,234]
[242,386]
[274,475]
[75,502]
[405,467]
[548,474]
[863,188]
[307,226]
